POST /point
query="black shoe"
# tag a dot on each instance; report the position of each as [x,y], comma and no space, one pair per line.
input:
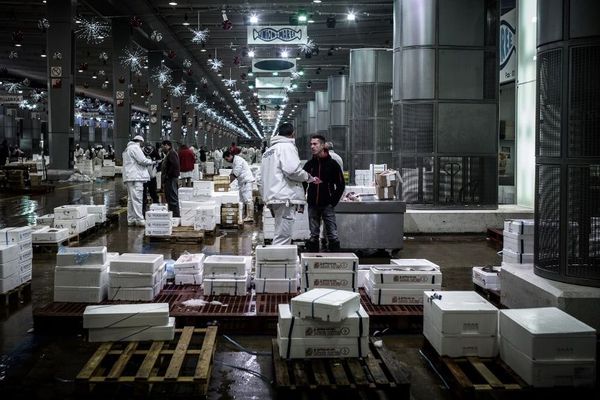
[334,246]
[312,246]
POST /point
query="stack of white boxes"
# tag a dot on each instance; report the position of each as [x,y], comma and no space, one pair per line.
[403,282]
[47,220]
[136,277]
[129,322]
[548,347]
[108,169]
[323,323]
[518,241]
[158,221]
[98,211]
[329,270]
[487,277]
[185,194]
[300,229]
[187,211]
[276,269]
[72,217]
[81,275]
[228,275]
[86,167]
[188,269]
[49,235]
[203,190]
[209,167]
[18,270]
[460,324]
[206,216]
[363,177]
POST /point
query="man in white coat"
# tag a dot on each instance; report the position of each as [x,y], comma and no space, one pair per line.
[281,182]
[218,158]
[135,173]
[241,171]
[336,157]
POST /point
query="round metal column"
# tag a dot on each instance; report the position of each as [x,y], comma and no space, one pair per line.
[567,198]
[337,89]
[322,103]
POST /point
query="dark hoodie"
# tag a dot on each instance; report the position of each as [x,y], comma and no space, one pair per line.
[330,191]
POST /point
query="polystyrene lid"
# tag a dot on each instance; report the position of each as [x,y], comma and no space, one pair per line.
[460,301]
[547,320]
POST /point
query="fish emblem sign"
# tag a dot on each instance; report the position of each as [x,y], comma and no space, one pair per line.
[277,34]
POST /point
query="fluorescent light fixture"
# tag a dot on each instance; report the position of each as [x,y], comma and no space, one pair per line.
[172,3]
[302,18]
[285,53]
[351,16]
[254,19]
[316,1]
[251,53]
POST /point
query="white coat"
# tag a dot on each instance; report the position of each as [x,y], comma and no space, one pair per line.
[282,174]
[135,164]
[241,170]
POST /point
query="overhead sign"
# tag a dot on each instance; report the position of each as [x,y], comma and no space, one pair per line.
[508,46]
[273,101]
[273,82]
[277,34]
[10,99]
[273,65]
[271,93]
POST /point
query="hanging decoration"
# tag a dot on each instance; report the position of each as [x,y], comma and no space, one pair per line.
[189,72]
[104,85]
[13,54]
[229,82]
[202,105]
[80,103]
[13,87]
[94,31]
[162,75]
[192,99]
[187,64]
[200,36]
[134,59]
[135,22]
[226,24]
[204,81]
[156,36]
[215,93]
[243,76]
[103,56]
[171,54]
[214,63]
[102,72]
[17,37]
[177,90]
[237,60]
[138,73]
[43,24]
[38,96]
[308,47]
[83,66]
[236,93]
[57,55]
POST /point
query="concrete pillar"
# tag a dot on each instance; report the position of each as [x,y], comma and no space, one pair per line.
[190,116]
[61,85]
[176,112]
[121,39]
[322,103]
[155,107]
[337,89]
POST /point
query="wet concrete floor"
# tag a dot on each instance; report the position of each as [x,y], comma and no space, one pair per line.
[34,365]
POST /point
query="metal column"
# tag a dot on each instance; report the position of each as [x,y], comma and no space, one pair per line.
[121,37]
[337,89]
[155,107]
[322,104]
[176,112]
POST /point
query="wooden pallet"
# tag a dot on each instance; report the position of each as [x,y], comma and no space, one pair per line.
[493,296]
[180,234]
[379,371]
[181,367]
[16,295]
[496,237]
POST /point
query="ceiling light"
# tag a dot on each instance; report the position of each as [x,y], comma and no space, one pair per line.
[311,21]
[251,53]
[172,3]
[254,19]
[316,1]
[285,53]
[17,44]
[275,73]
[351,16]
[301,72]
[250,73]
[250,86]
[302,17]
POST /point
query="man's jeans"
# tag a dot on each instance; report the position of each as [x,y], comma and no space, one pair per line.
[327,214]
[172,196]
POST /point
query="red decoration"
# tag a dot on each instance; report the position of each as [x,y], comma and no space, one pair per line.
[171,54]
[243,76]
[227,25]
[86,85]
[135,22]
[121,79]
[189,72]
[237,60]
[83,66]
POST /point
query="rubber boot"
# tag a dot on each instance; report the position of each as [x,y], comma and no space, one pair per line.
[334,246]
[312,246]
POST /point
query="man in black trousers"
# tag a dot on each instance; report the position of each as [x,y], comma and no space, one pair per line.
[170,177]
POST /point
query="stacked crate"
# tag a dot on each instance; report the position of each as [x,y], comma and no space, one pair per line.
[276,269]
[386,184]
[81,275]
[98,211]
[72,217]
[188,269]
[158,221]
[228,275]
[329,270]
[16,271]
[206,216]
[487,277]
[136,277]
[518,241]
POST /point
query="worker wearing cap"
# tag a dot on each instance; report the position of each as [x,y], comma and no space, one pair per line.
[135,173]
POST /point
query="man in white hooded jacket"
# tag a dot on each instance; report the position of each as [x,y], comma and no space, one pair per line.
[135,173]
[281,182]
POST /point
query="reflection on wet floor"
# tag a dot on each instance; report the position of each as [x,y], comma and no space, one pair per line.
[37,366]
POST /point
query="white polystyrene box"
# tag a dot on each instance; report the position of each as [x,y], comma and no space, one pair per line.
[394,275]
[460,313]
[15,235]
[548,334]
[189,263]
[25,265]
[520,226]
[125,315]
[229,286]
[84,275]
[276,253]
[226,265]
[188,279]
[460,345]
[141,263]
[331,280]
[160,215]
[135,279]
[135,294]
[487,277]
[417,263]
[96,209]
[397,296]
[80,294]
[517,243]
[548,373]
[158,231]
[203,187]
[47,219]
[355,325]
[269,285]
[25,276]
[9,282]
[329,262]
[276,270]
[322,347]
[362,275]
[326,304]
[52,235]
[9,268]
[75,226]
[81,256]
[511,257]
[175,222]
[161,333]
[70,212]
[8,253]
[159,207]
[159,224]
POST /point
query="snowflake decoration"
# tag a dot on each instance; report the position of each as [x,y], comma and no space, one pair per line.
[43,24]
[80,103]
[177,90]
[101,72]
[187,64]
[202,105]
[239,101]
[296,75]
[308,47]
[200,36]
[23,104]
[102,108]
[103,56]
[229,82]
[13,87]
[215,93]
[215,64]
[93,30]
[236,93]
[104,85]
[156,36]
[57,55]
[162,75]
[192,99]
[204,81]
[13,54]
[37,96]
[134,59]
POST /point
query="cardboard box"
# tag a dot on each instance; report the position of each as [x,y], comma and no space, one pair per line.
[393,276]
[460,345]
[388,178]
[326,304]
[322,347]
[185,194]
[276,253]
[517,243]
[125,315]
[8,253]
[15,235]
[159,224]
[158,215]
[386,193]
[81,256]
[520,226]
[50,235]
[80,294]
[25,276]
[131,334]
[228,286]
[188,279]
[70,212]
[226,265]
[276,270]
[9,268]
[487,277]
[26,255]
[329,280]
[268,285]
[547,334]
[159,207]
[140,263]
[329,262]
[460,313]
[84,275]
[203,188]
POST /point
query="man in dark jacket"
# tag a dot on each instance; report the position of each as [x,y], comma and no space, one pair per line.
[323,197]
[170,177]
